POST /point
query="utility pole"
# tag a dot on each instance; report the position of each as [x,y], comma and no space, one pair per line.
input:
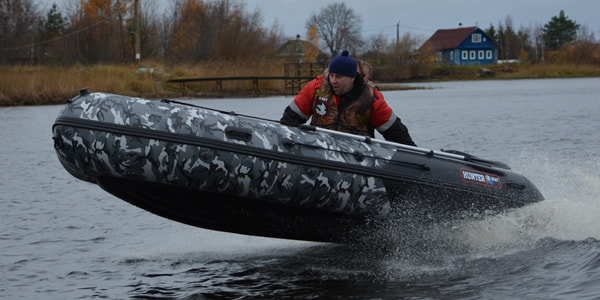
[136,16]
[397,33]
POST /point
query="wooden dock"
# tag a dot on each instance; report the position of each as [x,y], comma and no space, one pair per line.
[292,84]
[295,76]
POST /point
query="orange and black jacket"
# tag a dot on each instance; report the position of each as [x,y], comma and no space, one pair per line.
[360,111]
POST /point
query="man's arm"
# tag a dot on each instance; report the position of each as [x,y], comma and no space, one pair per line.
[398,133]
[300,110]
[291,118]
[387,123]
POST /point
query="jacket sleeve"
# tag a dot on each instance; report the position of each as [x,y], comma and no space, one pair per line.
[291,118]
[387,123]
[300,110]
[398,133]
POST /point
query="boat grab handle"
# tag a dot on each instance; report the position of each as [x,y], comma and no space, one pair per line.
[238,133]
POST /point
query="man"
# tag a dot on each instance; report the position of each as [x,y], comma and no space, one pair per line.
[344,99]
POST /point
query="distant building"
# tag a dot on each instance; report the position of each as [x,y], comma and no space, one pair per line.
[461,46]
[301,51]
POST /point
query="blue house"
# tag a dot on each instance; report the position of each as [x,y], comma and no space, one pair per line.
[461,46]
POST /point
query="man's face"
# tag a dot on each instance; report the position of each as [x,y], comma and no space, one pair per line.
[341,84]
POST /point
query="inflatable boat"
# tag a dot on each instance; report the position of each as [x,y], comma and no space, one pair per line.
[235,173]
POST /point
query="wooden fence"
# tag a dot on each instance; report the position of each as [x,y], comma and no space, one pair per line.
[292,84]
[295,76]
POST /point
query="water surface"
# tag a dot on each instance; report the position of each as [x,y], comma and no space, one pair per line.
[61,238]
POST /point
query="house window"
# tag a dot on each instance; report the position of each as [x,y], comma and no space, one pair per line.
[488,54]
[465,54]
[476,38]
[472,54]
[480,54]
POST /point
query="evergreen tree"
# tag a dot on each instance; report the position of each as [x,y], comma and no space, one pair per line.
[54,24]
[559,31]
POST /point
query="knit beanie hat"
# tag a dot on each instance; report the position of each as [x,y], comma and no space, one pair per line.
[343,65]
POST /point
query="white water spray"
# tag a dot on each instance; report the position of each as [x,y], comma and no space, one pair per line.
[570,211]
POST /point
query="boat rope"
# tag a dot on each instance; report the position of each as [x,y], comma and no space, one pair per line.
[452,154]
[233,113]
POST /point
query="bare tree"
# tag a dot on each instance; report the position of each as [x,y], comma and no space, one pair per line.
[339,28]
[18,31]
[585,34]
[217,30]
[376,46]
[537,35]
[151,33]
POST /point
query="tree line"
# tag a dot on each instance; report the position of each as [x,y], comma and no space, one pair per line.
[192,31]
[106,31]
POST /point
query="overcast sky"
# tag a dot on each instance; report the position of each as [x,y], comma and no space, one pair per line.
[423,17]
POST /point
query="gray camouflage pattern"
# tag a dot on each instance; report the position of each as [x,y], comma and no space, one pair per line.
[88,152]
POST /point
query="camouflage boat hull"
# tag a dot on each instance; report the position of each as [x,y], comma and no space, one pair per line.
[242,174]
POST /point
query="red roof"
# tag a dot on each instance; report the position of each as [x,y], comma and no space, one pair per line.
[448,38]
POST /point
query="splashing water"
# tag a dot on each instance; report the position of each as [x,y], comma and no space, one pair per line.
[569,211]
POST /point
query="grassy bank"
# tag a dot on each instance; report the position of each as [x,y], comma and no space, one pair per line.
[37,85]
[513,71]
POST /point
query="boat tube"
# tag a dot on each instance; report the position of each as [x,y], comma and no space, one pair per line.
[235,173]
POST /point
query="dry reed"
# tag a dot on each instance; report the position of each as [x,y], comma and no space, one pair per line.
[37,85]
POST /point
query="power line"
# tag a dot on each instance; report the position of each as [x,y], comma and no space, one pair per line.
[401,26]
[52,39]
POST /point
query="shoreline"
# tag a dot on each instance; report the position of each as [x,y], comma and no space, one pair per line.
[44,85]
[385,86]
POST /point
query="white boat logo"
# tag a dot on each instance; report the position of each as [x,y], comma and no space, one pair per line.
[480,178]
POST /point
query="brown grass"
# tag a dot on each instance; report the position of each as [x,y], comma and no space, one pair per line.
[37,85]
[516,71]
[554,71]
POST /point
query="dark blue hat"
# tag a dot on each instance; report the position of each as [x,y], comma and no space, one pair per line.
[343,65]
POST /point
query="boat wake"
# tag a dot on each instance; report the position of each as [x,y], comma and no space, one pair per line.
[529,248]
[569,213]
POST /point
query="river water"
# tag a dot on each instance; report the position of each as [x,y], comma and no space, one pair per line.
[61,238]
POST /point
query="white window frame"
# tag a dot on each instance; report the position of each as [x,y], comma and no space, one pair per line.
[472,55]
[465,54]
[488,54]
[476,38]
[480,54]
